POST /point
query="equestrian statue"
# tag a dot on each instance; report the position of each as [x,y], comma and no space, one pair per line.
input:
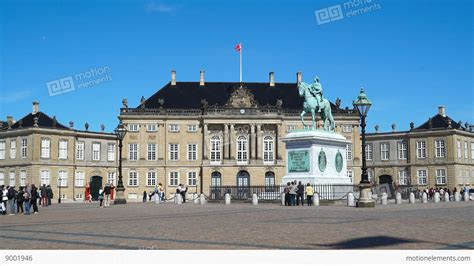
[314,103]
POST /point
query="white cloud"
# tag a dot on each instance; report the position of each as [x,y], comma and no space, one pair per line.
[154,7]
[14,97]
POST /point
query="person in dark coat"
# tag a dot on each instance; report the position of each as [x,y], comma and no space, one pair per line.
[20,198]
[44,196]
[144,196]
[300,194]
[49,193]
[34,198]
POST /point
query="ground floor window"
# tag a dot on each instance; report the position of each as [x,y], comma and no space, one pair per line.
[215,179]
[192,179]
[133,178]
[440,176]
[151,179]
[269,179]
[422,176]
[174,178]
[403,177]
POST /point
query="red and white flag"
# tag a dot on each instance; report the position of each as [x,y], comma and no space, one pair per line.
[238,47]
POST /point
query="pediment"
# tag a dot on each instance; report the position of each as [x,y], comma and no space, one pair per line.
[241,97]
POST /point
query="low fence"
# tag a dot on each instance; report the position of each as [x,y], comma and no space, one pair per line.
[273,192]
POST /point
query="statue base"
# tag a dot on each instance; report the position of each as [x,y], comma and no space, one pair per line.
[316,157]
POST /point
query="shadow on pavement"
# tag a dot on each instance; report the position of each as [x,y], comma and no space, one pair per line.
[367,242]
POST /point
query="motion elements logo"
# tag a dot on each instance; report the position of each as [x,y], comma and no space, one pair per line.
[90,78]
[350,9]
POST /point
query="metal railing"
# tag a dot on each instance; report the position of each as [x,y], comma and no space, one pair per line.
[273,192]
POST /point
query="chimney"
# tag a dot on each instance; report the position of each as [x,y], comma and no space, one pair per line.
[173,77]
[35,107]
[298,76]
[201,78]
[394,127]
[442,111]
[10,120]
[271,79]
[71,124]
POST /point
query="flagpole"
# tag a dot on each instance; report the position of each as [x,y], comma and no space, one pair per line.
[240,62]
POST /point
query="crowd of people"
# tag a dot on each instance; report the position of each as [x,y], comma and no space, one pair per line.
[158,194]
[295,192]
[430,192]
[25,200]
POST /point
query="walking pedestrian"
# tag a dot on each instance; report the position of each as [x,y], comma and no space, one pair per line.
[300,194]
[309,194]
[34,198]
[12,199]
[20,199]
[107,195]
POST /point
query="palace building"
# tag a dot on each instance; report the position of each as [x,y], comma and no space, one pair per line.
[218,133]
[437,153]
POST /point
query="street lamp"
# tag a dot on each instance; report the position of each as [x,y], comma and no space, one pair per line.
[120,131]
[362,104]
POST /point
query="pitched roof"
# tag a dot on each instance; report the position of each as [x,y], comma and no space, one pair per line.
[185,95]
[439,122]
[44,121]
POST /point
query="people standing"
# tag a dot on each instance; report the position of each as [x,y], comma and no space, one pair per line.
[44,195]
[27,196]
[292,193]
[4,200]
[309,194]
[34,198]
[101,197]
[161,192]
[12,199]
[144,196]
[20,198]
[87,193]
[184,190]
[286,190]
[49,194]
[300,194]
[107,195]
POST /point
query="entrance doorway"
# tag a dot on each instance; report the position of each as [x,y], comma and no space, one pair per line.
[95,185]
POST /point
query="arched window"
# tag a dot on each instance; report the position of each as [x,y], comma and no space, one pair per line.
[268,149]
[216,179]
[243,179]
[269,179]
[215,153]
[242,149]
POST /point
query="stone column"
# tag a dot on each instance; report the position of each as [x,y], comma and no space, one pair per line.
[278,143]
[225,142]
[232,149]
[253,146]
[205,147]
[259,141]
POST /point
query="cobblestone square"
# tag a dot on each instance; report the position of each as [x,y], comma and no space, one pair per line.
[241,226]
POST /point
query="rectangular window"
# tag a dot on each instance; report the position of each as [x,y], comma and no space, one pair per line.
[215,149]
[12,178]
[151,178]
[174,128]
[174,178]
[440,149]
[421,149]
[111,178]
[23,178]
[2,150]
[174,151]
[13,149]
[133,127]
[347,128]
[192,128]
[242,149]
[80,179]
[95,151]
[459,149]
[422,176]
[133,152]
[192,152]
[62,178]
[2,179]
[466,150]
[133,178]
[472,150]
[440,176]
[151,127]
[384,151]
[369,152]
[151,151]
[349,152]
[24,148]
[45,148]
[45,177]
[80,150]
[403,177]
[110,152]
[402,150]
[192,180]
[268,149]
[62,149]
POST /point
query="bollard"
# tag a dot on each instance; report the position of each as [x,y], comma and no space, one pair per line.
[227,199]
[316,199]
[370,194]
[457,196]
[412,198]
[424,198]
[446,197]
[282,199]
[254,199]
[465,196]
[178,198]
[398,198]
[196,198]
[375,197]
[384,198]
[436,197]
[202,199]
[350,200]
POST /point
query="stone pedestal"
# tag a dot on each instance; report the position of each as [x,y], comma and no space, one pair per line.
[424,198]
[398,198]
[316,199]
[350,200]
[446,197]
[227,199]
[282,198]
[254,199]
[202,199]
[465,196]
[384,198]
[412,198]
[457,196]
[364,200]
[436,197]
[178,199]
[196,198]
[316,157]
[120,196]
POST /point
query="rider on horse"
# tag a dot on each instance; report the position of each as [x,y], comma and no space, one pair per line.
[317,91]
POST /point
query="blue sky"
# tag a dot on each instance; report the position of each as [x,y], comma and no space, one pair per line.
[410,56]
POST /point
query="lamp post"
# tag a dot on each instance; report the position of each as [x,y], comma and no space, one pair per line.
[120,131]
[362,104]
